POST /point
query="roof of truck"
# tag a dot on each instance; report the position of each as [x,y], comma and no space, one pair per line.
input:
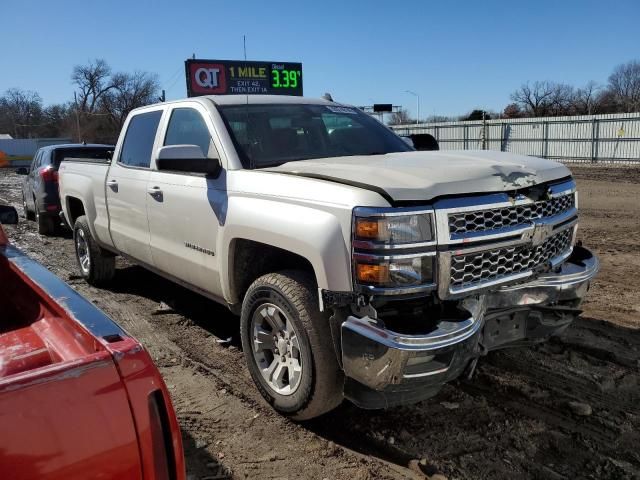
[250,99]
[75,145]
[262,99]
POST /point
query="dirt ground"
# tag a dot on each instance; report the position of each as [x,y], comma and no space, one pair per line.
[514,419]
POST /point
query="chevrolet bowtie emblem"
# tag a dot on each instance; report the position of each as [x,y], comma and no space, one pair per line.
[540,233]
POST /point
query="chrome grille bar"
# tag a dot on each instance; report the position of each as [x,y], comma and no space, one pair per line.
[475,268]
[498,218]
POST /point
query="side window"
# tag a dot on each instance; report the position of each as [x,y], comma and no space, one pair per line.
[138,141]
[35,161]
[187,127]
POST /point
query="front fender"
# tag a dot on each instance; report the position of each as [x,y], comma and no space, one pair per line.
[312,233]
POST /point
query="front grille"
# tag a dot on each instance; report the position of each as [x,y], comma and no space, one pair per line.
[482,220]
[473,268]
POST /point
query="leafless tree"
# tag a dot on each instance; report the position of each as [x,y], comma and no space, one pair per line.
[440,118]
[512,111]
[129,91]
[534,99]
[544,98]
[20,112]
[93,82]
[58,121]
[400,117]
[624,84]
[586,100]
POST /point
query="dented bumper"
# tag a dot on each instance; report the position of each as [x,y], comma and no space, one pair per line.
[386,368]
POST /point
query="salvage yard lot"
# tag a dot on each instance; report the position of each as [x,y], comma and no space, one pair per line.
[514,419]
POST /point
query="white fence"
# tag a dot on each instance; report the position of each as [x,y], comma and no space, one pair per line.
[613,138]
[23,147]
[20,151]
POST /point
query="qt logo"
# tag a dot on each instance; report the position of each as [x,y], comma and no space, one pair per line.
[207,78]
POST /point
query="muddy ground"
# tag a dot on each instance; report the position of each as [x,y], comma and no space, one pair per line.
[513,420]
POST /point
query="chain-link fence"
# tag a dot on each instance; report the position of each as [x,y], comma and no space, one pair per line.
[603,139]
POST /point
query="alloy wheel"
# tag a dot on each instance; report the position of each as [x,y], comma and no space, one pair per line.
[276,349]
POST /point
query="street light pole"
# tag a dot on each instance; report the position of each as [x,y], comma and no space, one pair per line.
[417,104]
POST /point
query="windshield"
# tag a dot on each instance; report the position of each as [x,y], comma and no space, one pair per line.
[268,135]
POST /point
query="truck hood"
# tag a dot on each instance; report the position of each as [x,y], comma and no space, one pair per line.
[423,176]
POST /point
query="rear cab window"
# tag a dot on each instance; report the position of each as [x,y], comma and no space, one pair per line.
[94,153]
[138,141]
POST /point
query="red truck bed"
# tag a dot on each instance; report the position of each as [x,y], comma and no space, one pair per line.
[79,397]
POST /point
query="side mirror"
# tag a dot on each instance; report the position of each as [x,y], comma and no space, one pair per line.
[408,141]
[187,159]
[8,215]
[109,154]
[22,171]
[424,142]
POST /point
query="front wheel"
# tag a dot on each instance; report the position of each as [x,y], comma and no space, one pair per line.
[288,347]
[27,214]
[97,265]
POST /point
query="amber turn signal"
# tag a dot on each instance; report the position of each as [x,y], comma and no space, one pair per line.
[368,273]
[366,228]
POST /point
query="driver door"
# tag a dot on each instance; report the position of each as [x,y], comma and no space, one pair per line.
[187,212]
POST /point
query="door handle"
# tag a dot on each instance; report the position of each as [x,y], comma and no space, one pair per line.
[155,192]
[113,185]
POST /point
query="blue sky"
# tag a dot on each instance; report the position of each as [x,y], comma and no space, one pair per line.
[458,55]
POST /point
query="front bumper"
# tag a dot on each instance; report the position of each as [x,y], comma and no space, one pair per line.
[385,368]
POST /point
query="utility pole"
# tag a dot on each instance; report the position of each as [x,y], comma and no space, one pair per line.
[484,130]
[75,99]
[417,104]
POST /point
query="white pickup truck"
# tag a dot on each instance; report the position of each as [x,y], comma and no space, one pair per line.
[360,267]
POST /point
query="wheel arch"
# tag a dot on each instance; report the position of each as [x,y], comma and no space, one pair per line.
[301,235]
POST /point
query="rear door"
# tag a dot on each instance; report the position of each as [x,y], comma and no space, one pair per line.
[187,212]
[126,186]
[38,181]
[28,182]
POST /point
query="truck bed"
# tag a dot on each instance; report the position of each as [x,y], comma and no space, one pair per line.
[79,397]
[85,179]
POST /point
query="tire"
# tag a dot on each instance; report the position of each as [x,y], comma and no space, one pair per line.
[25,209]
[291,297]
[45,222]
[97,266]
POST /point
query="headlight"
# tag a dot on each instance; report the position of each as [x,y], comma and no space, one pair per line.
[390,271]
[394,249]
[393,229]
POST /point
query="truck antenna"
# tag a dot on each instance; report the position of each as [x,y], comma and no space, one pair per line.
[244,47]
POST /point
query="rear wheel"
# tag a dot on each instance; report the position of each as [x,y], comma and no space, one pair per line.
[287,345]
[97,265]
[45,222]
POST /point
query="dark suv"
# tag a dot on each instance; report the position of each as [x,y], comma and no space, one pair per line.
[40,197]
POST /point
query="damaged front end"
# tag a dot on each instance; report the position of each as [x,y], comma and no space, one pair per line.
[500,271]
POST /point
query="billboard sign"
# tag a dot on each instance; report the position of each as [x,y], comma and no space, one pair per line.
[229,77]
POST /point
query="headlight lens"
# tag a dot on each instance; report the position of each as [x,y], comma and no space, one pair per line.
[394,272]
[394,230]
[394,249]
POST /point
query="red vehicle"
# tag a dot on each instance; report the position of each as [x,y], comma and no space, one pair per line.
[79,397]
